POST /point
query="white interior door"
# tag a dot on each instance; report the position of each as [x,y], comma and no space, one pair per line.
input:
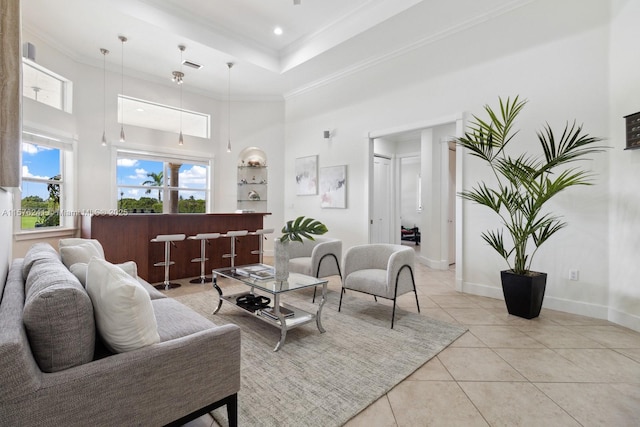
[381,221]
[452,205]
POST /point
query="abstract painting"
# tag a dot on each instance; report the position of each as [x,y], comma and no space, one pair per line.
[307,176]
[333,187]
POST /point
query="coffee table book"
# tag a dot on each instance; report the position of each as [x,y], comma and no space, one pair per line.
[269,312]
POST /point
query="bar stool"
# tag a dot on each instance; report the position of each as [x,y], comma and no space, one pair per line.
[233,235]
[168,240]
[204,240]
[260,232]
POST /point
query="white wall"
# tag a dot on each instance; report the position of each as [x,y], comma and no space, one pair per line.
[556,61]
[624,187]
[253,124]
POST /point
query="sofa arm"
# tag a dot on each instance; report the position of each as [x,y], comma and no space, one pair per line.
[152,385]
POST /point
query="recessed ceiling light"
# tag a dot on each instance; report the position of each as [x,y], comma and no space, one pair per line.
[277,31]
[140,110]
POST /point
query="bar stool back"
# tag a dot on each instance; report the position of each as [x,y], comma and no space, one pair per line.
[168,240]
[232,235]
[204,240]
[260,232]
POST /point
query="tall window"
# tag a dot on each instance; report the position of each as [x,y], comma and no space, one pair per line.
[150,183]
[43,181]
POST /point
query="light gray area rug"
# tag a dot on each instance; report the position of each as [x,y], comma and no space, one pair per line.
[324,379]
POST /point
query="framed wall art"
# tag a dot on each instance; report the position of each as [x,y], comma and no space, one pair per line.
[307,176]
[333,187]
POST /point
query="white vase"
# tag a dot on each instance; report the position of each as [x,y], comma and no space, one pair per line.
[282,260]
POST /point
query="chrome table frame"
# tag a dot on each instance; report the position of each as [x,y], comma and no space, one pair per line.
[275,289]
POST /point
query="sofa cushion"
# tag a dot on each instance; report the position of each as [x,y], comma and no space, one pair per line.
[123,310]
[58,317]
[79,269]
[79,253]
[38,252]
[74,241]
[175,320]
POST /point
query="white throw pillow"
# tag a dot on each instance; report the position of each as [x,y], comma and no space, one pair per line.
[79,269]
[123,310]
[79,253]
[74,241]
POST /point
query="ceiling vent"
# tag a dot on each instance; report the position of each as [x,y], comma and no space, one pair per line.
[191,64]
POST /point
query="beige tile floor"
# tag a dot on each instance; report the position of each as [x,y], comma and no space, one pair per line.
[557,370]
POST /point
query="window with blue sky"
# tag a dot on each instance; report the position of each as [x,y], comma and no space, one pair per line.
[42,185]
[144,184]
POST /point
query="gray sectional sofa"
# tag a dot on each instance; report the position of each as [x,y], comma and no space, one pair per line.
[55,369]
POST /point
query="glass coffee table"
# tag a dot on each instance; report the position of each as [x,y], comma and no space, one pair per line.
[278,314]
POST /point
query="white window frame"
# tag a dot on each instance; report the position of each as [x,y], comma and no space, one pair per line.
[153,115]
[66,95]
[68,216]
[166,158]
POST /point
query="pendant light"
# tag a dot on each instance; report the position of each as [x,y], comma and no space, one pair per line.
[178,78]
[104,53]
[123,39]
[229,65]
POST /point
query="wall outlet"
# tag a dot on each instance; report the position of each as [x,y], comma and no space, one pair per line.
[574,274]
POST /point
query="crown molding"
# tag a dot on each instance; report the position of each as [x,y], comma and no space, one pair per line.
[425,41]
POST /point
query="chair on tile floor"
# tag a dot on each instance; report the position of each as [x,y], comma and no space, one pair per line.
[168,240]
[232,235]
[260,232]
[381,270]
[204,240]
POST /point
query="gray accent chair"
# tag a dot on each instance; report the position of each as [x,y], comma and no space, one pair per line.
[317,258]
[381,270]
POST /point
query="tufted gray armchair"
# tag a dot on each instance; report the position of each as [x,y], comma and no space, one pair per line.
[381,270]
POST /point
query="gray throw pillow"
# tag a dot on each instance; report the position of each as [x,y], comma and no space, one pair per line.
[58,317]
[36,253]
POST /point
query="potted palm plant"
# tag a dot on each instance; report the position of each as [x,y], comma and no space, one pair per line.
[523,185]
[294,230]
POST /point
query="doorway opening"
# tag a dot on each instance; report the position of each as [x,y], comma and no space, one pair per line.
[412,193]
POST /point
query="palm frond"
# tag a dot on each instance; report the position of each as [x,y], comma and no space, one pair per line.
[300,227]
[525,182]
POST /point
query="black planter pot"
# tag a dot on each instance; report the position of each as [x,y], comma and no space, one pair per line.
[523,294]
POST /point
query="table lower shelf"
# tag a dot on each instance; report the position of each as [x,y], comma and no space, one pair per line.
[299,317]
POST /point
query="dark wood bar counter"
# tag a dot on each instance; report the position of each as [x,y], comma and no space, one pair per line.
[127,238]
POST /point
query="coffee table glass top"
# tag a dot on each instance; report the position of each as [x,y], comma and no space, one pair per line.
[270,285]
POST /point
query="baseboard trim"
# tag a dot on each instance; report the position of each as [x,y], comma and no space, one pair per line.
[560,304]
[436,265]
[624,319]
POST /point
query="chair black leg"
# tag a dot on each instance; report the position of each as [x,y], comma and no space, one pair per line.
[341,293]
[393,313]
[318,272]
[414,290]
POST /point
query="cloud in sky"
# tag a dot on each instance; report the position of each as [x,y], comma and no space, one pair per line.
[27,174]
[194,177]
[141,173]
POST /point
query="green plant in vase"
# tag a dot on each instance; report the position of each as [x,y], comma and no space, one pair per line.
[294,231]
[524,184]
